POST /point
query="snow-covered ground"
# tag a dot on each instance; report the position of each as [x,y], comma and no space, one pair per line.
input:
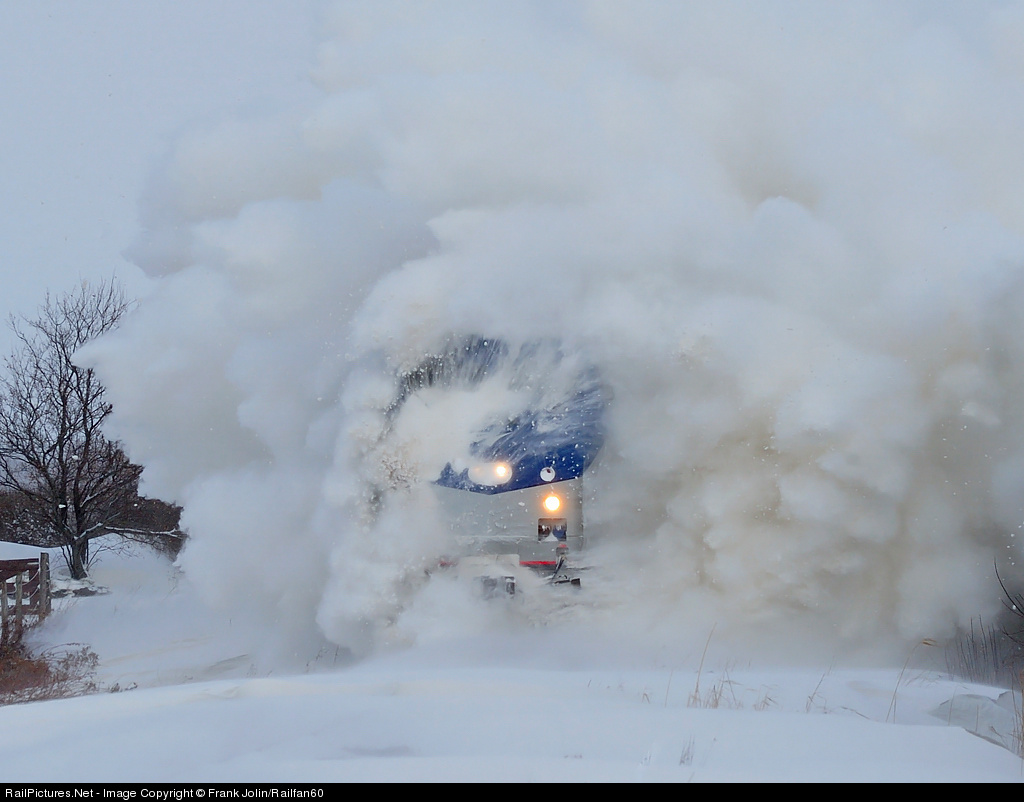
[529,705]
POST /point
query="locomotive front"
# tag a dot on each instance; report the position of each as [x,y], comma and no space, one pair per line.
[516,493]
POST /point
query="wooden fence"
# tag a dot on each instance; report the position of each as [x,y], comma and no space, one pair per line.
[24,593]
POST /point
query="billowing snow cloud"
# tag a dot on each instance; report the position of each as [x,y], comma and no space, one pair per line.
[789,236]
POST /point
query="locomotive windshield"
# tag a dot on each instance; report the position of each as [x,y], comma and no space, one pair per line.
[550,430]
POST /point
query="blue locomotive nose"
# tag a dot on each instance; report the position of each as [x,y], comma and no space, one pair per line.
[554,439]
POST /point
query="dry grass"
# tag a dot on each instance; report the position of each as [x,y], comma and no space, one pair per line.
[686,756]
[55,673]
[1018,716]
[718,695]
[815,700]
[722,693]
[985,654]
[892,704]
[696,698]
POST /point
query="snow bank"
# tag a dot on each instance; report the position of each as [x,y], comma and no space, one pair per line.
[386,722]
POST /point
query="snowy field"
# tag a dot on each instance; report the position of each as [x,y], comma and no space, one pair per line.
[534,705]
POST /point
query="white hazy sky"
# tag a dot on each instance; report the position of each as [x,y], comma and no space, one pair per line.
[91,93]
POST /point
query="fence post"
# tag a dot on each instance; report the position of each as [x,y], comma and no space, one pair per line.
[18,590]
[44,584]
[3,610]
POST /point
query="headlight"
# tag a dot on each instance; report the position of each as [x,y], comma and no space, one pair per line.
[552,503]
[490,474]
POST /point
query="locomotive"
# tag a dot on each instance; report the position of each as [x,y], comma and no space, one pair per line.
[517,496]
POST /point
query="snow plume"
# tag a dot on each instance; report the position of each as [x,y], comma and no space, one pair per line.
[788,235]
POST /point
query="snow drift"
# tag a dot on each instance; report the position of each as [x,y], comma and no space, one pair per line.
[789,237]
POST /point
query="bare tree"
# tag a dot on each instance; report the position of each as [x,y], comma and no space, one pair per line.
[75,482]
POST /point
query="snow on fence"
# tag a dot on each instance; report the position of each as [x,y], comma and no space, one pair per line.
[25,592]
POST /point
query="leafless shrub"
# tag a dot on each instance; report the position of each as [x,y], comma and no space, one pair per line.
[54,673]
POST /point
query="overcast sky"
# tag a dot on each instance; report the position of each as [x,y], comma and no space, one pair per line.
[92,93]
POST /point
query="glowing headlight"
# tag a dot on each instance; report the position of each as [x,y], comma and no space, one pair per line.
[491,473]
[552,503]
